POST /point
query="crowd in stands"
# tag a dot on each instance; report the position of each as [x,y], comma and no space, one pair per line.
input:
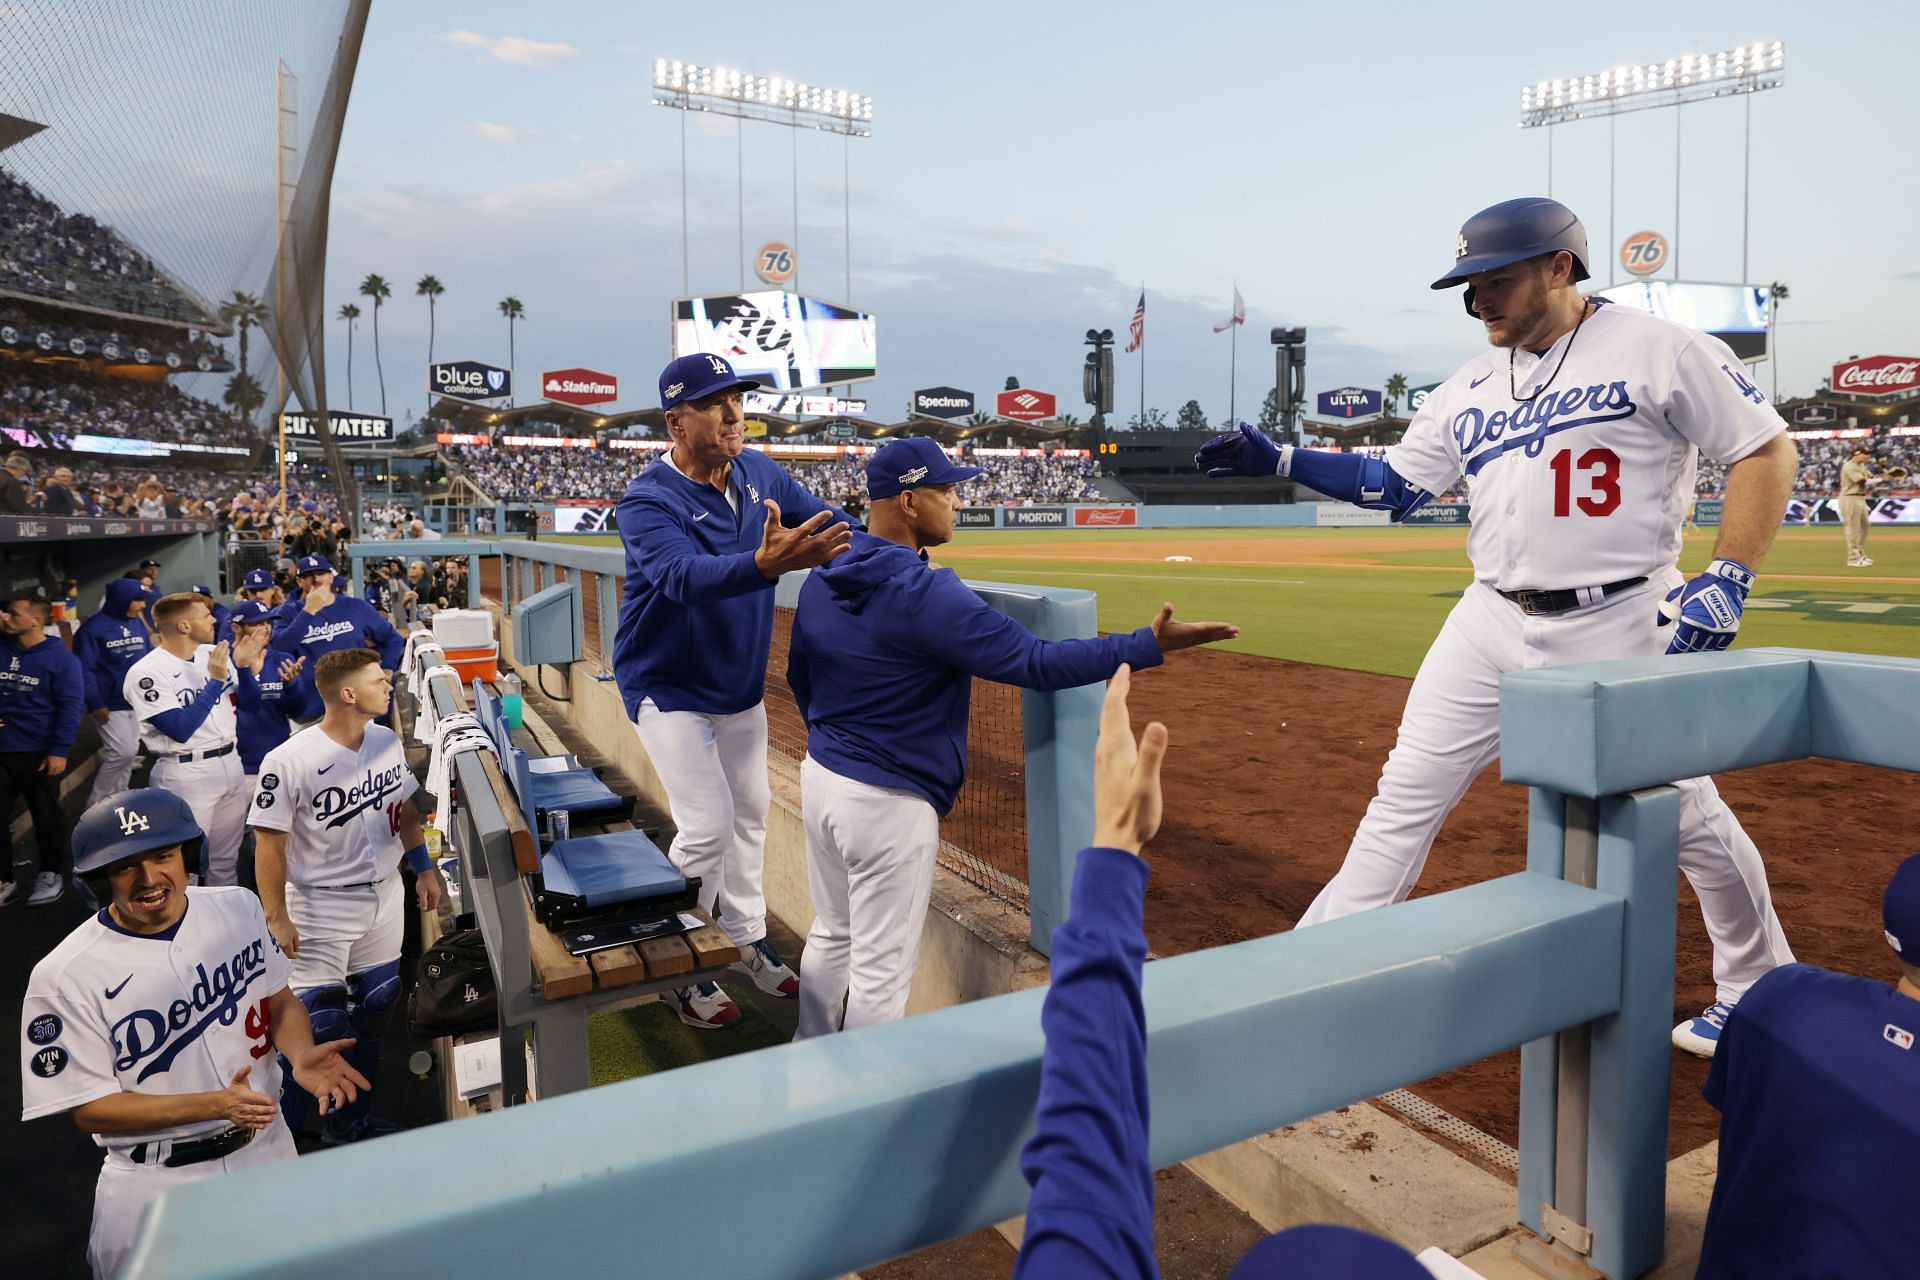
[243,503]
[73,258]
[159,341]
[1820,462]
[547,475]
[37,397]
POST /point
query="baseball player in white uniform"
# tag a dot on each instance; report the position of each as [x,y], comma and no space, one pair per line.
[154,1024]
[1578,434]
[333,817]
[182,694]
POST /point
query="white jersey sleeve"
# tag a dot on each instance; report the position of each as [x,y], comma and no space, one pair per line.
[1715,405]
[68,1047]
[276,788]
[1428,455]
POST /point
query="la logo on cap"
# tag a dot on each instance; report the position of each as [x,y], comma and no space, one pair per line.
[719,365]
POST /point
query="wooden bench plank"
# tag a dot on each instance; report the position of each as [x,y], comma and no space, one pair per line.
[666,957]
[559,972]
[709,943]
[618,966]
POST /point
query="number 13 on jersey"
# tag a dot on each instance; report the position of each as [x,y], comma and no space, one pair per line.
[1595,473]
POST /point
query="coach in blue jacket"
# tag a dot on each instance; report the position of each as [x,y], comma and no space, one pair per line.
[325,620]
[885,649]
[107,644]
[41,693]
[709,527]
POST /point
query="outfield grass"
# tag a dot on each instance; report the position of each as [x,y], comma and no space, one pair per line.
[1372,599]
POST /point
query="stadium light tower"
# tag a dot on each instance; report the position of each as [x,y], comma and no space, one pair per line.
[1746,71]
[724,91]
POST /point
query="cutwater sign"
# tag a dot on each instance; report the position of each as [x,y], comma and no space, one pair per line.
[1349,402]
[469,380]
[348,428]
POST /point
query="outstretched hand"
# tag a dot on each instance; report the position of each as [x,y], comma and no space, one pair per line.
[1173,634]
[810,543]
[1246,452]
[1126,775]
[323,1072]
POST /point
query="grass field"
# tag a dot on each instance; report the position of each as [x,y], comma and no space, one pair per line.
[1372,599]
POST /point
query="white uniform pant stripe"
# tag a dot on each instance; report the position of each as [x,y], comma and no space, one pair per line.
[715,771]
[870,860]
[119,744]
[217,792]
[1450,731]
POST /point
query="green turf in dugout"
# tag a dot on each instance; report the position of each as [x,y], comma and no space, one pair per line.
[646,1038]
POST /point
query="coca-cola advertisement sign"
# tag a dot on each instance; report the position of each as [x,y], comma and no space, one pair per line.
[1878,376]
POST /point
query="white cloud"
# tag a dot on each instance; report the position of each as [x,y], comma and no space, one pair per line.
[517,50]
[488,131]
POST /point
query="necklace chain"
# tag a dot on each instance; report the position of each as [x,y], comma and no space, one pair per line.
[1514,391]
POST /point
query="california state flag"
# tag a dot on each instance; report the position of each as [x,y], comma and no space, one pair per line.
[1239,315]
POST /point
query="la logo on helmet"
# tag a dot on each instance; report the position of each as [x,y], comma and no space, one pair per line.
[130,821]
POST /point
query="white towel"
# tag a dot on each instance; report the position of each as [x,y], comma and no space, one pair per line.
[426,718]
[453,736]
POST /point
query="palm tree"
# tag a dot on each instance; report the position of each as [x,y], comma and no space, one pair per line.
[430,288]
[243,310]
[377,288]
[510,308]
[350,314]
[1396,387]
[1777,292]
[244,394]
[978,419]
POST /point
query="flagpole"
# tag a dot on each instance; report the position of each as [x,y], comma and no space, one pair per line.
[1143,360]
[1233,373]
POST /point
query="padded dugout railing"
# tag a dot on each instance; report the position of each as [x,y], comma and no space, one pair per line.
[925,1117]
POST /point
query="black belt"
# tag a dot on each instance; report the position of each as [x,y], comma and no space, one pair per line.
[336,888]
[214,754]
[1537,602]
[198,1151]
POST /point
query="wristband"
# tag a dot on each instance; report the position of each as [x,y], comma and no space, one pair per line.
[417,860]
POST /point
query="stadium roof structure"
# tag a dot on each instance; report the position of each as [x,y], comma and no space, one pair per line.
[464,415]
[1383,430]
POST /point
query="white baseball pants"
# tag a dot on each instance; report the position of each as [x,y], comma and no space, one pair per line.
[870,858]
[119,744]
[345,931]
[1450,731]
[217,792]
[715,771]
[125,1188]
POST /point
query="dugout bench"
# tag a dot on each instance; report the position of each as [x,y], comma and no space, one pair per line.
[542,988]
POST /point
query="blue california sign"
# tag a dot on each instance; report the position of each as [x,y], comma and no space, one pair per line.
[469,380]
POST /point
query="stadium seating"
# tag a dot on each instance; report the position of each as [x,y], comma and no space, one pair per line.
[72,258]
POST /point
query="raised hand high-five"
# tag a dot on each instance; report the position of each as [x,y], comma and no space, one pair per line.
[1126,775]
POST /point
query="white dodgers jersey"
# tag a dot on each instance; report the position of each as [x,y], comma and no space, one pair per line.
[160,682]
[339,808]
[109,1011]
[1581,473]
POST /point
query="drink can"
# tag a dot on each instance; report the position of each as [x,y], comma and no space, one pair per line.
[559,825]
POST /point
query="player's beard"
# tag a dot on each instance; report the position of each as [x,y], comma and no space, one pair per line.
[1524,316]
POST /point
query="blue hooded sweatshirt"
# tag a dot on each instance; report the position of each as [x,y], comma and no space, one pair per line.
[883,657]
[41,693]
[267,707]
[348,623]
[110,642]
[697,618]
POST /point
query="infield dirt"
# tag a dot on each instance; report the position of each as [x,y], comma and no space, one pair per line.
[1272,764]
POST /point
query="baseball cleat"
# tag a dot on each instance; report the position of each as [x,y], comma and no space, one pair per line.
[705,1006]
[759,962]
[47,888]
[1700,1036]
[8,892]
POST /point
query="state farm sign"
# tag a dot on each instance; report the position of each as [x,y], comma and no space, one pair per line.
[579,386]
[1024,405]
[1878,376]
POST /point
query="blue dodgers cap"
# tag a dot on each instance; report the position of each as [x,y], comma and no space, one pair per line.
[202,589]
[910,463]
[257,580]
[250,611]
[1900,911]
[312,564]
[696,376]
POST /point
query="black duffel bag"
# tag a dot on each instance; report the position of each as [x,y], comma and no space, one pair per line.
[454,994]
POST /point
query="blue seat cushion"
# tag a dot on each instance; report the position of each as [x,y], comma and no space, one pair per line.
[609,869]
[576,791]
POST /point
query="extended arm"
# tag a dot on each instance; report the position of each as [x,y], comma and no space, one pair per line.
[668,557]
[964,632]
[1351,477]
[181,723]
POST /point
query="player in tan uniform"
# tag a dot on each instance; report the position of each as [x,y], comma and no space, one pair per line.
[1854,479]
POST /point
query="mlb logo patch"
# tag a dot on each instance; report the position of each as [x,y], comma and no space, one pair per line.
[1898,1037]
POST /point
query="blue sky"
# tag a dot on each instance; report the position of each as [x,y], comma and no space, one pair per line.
[1032,165]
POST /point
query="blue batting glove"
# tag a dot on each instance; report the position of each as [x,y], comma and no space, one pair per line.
[1707,609]
[1246,452]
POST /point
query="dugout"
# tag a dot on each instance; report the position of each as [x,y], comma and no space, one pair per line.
[41,551]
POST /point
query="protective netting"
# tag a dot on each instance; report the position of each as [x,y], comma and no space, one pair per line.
[174,137]
[984,839]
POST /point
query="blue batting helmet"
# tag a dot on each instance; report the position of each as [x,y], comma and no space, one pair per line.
[129,823]
[1513,231]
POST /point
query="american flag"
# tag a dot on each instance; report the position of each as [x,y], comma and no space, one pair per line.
[1138,327]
